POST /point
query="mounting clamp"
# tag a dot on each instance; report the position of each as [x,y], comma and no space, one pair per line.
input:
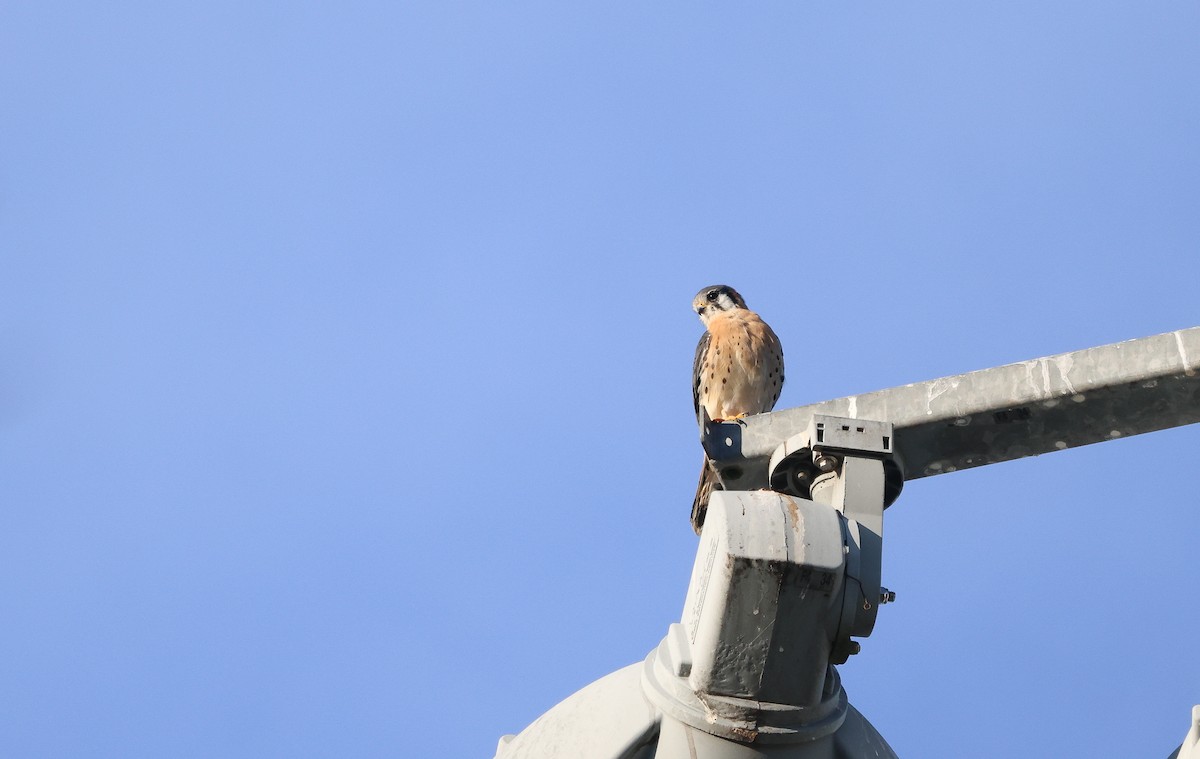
[847,464]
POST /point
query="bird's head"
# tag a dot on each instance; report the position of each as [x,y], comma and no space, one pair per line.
[714,299]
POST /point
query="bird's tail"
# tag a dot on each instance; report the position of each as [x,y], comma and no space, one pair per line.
[708,481]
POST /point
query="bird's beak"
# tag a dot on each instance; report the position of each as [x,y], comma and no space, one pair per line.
[700,310]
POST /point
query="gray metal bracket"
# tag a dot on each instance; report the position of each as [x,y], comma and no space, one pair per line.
[849,465]
[747,672]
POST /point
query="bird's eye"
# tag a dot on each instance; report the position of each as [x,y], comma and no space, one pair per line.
[712,296]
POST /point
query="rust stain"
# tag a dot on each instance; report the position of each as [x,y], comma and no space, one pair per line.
[793,510]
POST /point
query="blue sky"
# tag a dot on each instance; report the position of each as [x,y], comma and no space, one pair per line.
[345,354]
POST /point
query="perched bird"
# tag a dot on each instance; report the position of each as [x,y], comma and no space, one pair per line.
[738,371]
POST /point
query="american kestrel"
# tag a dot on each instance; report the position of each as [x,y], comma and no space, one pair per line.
[738,371]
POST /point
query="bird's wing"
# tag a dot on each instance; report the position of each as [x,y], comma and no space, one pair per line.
[701,350]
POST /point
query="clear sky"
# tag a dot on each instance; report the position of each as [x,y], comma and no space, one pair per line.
[345,350]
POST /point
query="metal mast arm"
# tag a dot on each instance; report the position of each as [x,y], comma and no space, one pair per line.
[993,415]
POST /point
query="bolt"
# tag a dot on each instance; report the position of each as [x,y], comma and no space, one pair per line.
[886,596]
[826,463]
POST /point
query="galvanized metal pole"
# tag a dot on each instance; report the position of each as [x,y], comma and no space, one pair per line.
[788,565]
